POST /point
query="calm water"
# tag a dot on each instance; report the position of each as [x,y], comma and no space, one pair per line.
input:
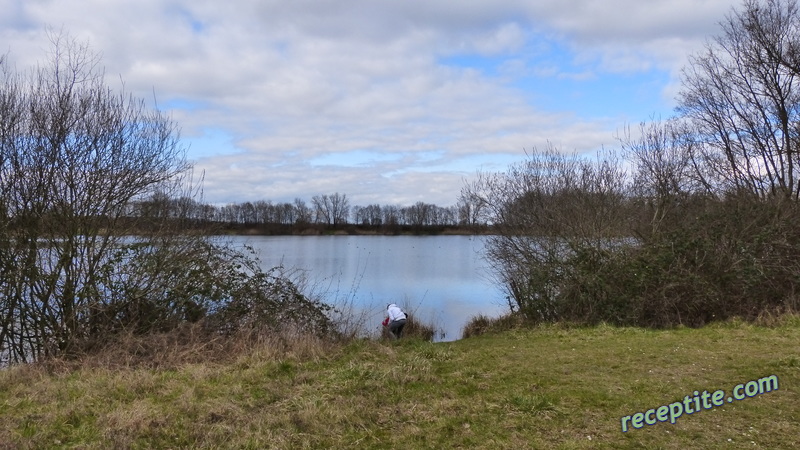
[438,279]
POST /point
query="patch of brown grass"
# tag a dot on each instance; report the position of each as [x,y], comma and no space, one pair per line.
[561,386]
[482,324]
[190,344]
[414,329]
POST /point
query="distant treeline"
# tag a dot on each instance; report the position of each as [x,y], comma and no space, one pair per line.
[322,214]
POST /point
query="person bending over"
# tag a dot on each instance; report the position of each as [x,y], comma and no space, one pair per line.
[395,319]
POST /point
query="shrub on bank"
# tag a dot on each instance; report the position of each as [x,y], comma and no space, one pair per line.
[482,324]
[414,329]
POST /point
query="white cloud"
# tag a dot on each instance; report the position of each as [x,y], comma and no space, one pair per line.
[290,82]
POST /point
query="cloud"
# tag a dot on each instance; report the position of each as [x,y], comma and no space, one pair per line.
[263,89]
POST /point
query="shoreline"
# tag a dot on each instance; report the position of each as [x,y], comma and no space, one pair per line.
[350,230]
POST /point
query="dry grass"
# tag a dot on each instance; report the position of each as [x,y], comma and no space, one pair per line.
[547,387]
[482,324]
[190,344]
[414,329]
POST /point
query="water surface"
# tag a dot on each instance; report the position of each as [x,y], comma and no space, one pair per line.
[439,279]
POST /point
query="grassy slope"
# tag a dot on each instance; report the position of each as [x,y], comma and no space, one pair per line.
[542,388]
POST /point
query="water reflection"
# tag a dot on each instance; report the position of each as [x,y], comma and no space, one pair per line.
[442,279]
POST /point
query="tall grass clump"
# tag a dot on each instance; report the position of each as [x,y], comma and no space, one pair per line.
[482,324]
[414,329]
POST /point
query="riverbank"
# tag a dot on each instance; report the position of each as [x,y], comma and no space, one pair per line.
[349,230]
[548,387]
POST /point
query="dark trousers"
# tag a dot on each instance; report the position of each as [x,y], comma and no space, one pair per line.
[396,327]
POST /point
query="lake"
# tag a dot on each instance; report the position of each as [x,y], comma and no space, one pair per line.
[441,280]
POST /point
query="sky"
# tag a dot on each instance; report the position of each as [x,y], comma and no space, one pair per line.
[389,102]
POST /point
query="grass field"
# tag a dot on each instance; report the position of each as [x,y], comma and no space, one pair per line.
[547,387]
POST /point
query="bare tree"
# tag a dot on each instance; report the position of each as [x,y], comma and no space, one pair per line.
[367,215]
[286,213]
[322,209]
[419,214]
[666,174]
[302,211]
[331,209]
[548,211]
[359,217]
[470,210]
[264,212]
[373,214]
[340,208]
[391,215]
[73,155]
[743,98]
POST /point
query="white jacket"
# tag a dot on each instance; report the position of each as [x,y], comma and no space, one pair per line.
[395,313]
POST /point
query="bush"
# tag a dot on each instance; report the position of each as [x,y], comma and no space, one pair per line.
[482,324]
[572,246]
[185,278]
[735,260]
[414,328]
[163,284]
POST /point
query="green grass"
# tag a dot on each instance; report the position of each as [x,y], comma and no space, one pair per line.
[548,387]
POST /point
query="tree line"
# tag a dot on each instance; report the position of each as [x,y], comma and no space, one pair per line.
[332,210]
